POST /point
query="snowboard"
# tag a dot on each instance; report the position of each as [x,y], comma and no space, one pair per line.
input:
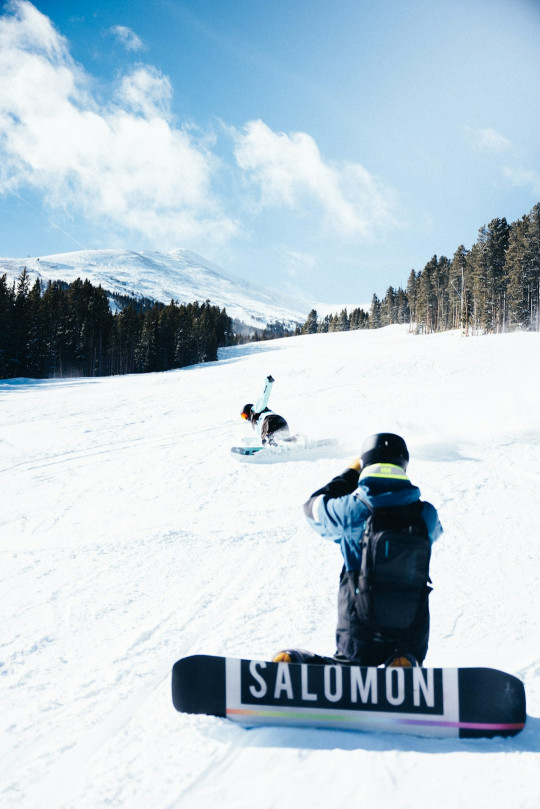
[447,702]
[246,450]
[283,449]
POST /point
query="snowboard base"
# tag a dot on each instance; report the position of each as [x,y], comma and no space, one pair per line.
[283,449]
[449,702]
[246,450]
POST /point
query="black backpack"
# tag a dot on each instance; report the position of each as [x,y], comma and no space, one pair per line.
[393,580]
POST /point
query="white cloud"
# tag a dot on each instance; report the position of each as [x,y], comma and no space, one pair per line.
[301,259]
[146,91]
[290,170]
[524,178]
[127,37]
[123,164]
[488,139]
[126,167]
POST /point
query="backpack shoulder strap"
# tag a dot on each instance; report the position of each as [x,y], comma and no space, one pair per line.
[364,565]
[363,499]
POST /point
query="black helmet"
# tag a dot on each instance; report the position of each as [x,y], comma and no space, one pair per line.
[247,411]
[385,448]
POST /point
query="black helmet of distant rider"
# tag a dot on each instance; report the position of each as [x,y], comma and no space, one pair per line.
[247,412]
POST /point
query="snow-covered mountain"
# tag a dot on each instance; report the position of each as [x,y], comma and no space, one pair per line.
[179,275]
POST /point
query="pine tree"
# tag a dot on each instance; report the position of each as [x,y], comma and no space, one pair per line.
[324,325]
[488,276]
[439,279]
[126,332]
[534,265]
[358,319]
[388,308]
[147,348]
[375,321]
[522,269]
[7,328]
[341,323]
[36,365]
[311,325]
[496,246]
[457,292]
[402,306]
[412,296]
[185,343]
[425,298]
[54,309]
[20,324]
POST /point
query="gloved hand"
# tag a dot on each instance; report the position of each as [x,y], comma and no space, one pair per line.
[356,464]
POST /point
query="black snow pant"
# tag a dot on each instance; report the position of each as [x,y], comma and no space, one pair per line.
[273,427]
[359,643]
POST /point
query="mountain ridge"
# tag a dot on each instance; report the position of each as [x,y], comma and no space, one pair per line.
[180,275]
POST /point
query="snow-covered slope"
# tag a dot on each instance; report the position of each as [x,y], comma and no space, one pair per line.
[179,275]
[130,537]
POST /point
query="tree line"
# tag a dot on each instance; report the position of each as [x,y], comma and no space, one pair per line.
[344,321]
[493,287]
[69,330]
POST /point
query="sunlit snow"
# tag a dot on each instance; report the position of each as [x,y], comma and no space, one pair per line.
[131,537]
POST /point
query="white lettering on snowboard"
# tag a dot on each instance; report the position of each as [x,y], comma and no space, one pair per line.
[391,697]
[420,684]
[335,694]
[261,692]
[353,685]
[362,688]
[283,681]
[306,693]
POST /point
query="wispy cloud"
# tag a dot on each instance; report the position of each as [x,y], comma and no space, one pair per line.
[488,139]
[290,170]
[524,178]
[127,37]
[121,163]
[126,166]
[146,91]
[491,141]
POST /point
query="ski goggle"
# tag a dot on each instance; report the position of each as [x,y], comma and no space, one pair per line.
[244,415]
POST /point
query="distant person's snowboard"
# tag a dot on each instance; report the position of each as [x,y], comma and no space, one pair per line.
[288,448]
[458,702]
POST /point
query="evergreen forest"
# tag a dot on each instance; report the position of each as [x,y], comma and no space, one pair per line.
[493,287]
[70,330]
[65,329]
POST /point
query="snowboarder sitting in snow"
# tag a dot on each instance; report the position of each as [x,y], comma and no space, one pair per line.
[269,425]
[378,622]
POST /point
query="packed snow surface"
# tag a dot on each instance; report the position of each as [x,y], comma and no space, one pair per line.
[131,537]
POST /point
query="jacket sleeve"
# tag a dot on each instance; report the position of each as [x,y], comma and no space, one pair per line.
[325,517]
[431,519]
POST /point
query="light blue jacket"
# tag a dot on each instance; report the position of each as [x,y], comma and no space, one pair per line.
[342,517]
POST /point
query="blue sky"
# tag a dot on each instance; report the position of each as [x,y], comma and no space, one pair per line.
[314,145]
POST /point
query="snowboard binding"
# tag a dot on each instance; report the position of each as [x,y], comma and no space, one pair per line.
[301,656]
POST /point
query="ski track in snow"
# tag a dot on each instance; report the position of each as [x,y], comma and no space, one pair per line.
[130,537]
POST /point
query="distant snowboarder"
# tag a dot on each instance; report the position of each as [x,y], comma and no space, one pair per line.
[271,427]
[268,425]
[385,533]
